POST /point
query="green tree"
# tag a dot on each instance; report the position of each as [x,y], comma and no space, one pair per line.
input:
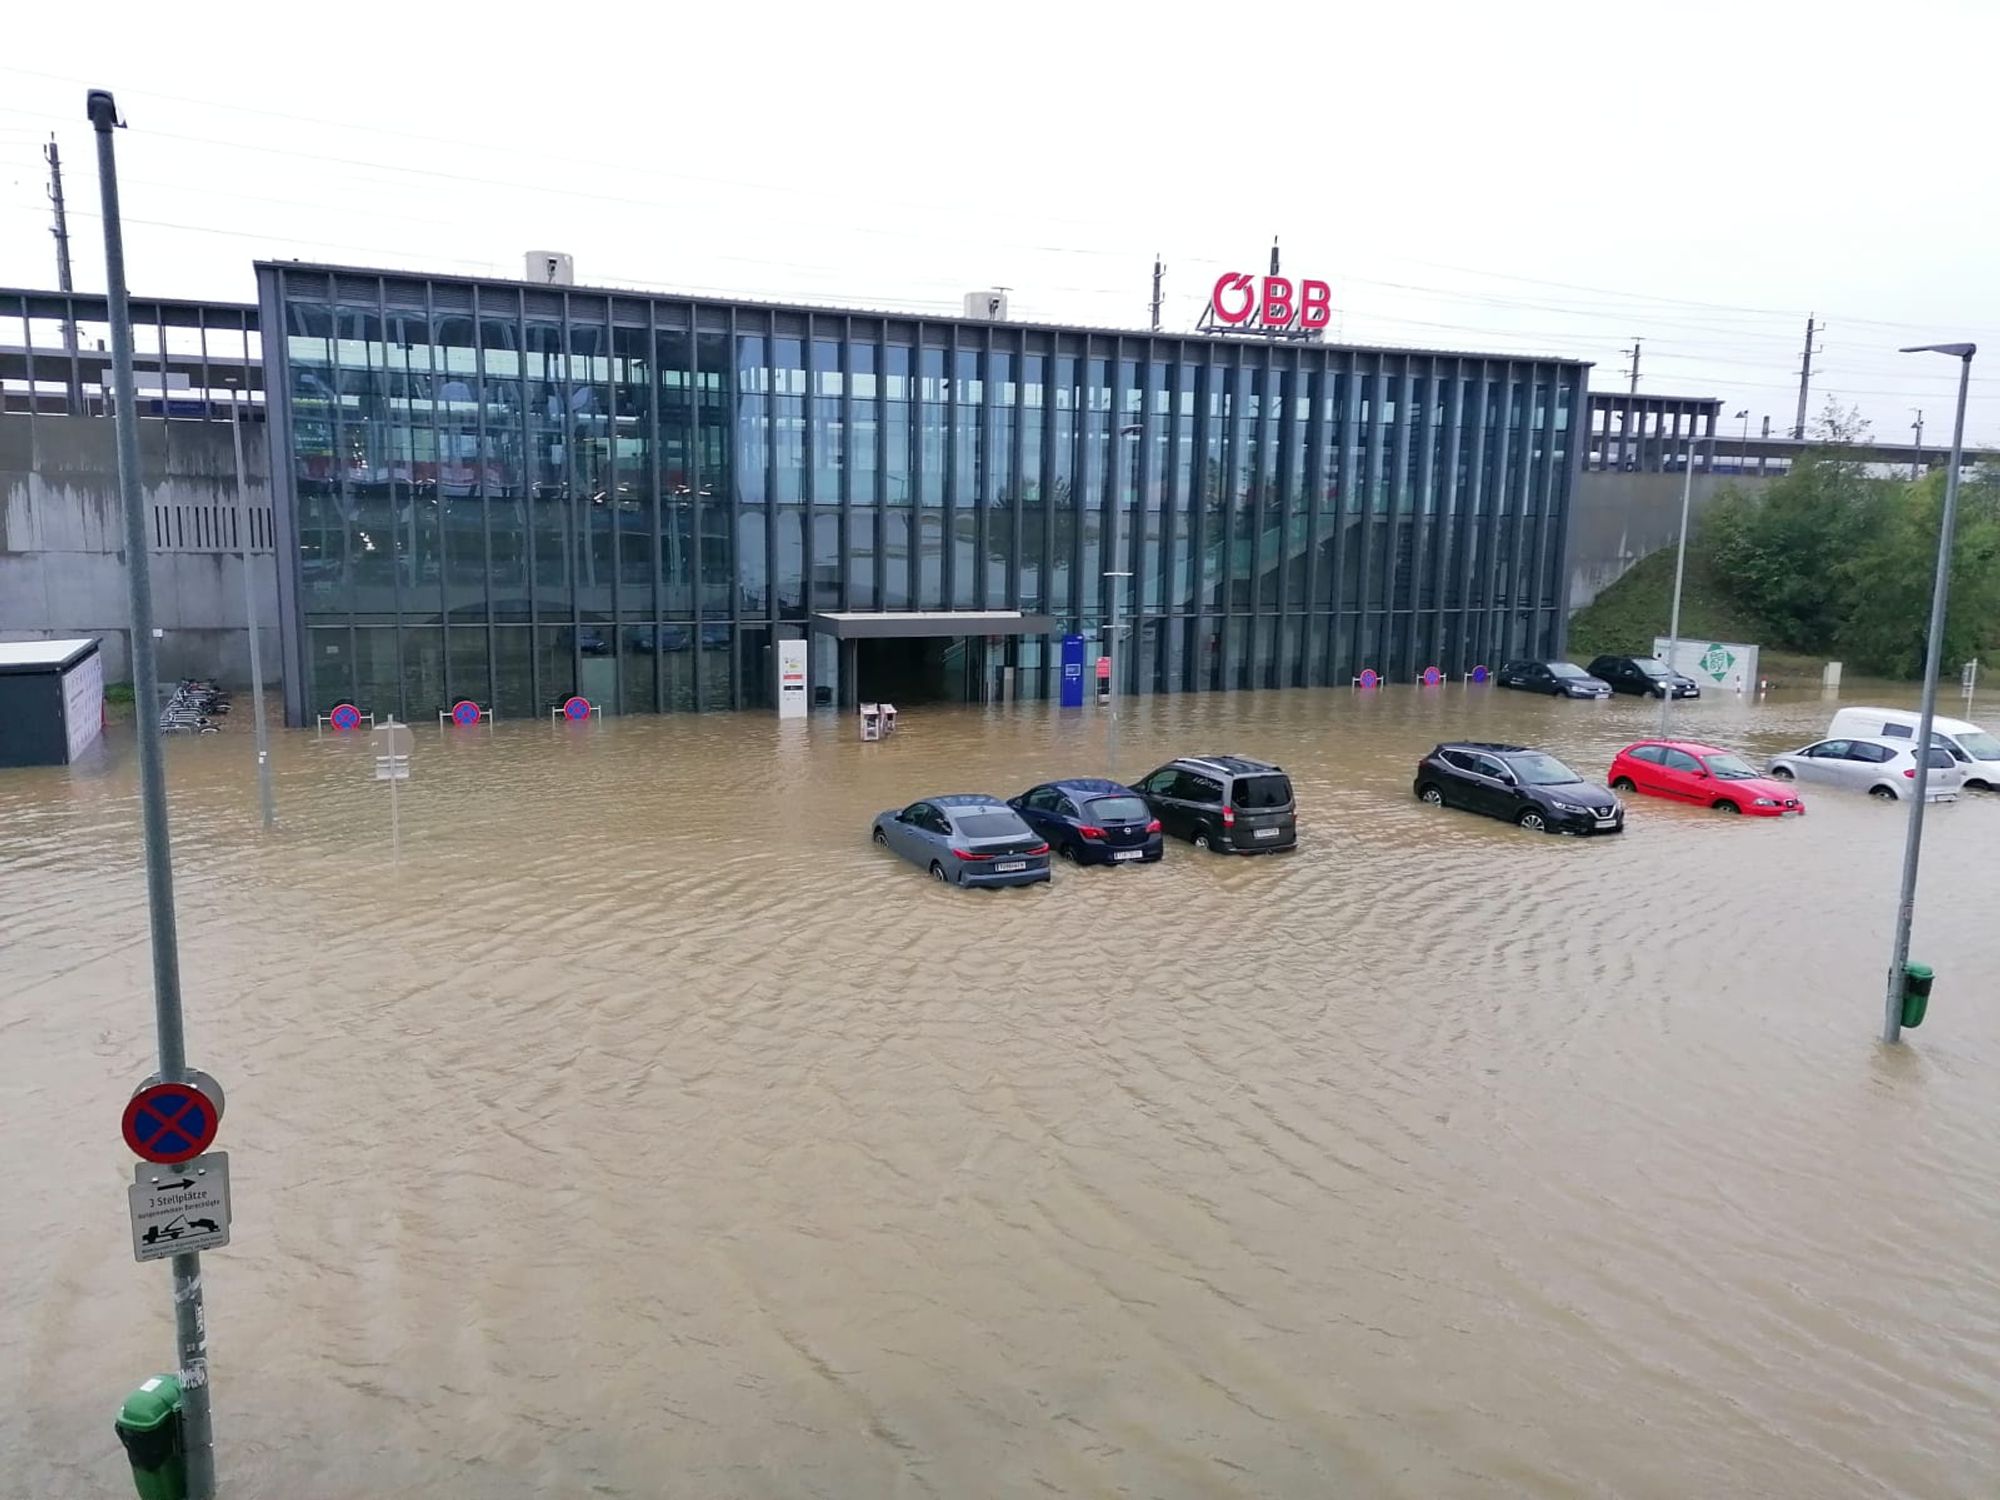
[1888,580]
[1779,555]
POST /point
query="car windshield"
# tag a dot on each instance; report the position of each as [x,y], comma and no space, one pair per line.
[1262,791]
[1119,810]
[987,825]
[1566,669]
[1537,769]
[1980,745]
[1652,666]
[1729,768]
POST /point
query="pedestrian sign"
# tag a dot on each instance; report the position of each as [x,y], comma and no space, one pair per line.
[169,1122]
[181,1208]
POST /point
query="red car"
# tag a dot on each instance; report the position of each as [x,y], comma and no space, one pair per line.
[1703,775]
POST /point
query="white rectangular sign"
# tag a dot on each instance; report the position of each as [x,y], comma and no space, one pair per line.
[792,679]
[83,703]
[1718,666]
[179,1208]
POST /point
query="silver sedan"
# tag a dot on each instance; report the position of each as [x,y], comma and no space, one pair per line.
[1882,768]
[967,840]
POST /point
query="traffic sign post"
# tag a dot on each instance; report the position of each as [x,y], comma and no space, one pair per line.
[190,1316]
[392,742]
[181,1208]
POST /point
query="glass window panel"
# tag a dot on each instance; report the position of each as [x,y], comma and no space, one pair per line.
[423,673]
[825,560]
[718,566]
[753,421]
[466,648]
[752,581]
[757,669]
[861,560]
[896,429]
[790,534]
[330,663]
[637,655]
[895,554]
[930,559]
[788,419]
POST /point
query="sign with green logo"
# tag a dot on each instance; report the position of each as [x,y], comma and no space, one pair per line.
[1717,660]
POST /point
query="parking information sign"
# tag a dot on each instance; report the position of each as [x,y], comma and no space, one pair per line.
[181,1207]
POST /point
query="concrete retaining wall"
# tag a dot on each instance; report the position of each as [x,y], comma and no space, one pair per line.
[1618,519]
[62,542]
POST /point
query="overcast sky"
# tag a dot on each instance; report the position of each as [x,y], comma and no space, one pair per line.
[1539,177]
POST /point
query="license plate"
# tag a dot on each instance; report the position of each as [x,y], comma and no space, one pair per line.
[1792,813]
[1607,822]
[1128,854]
[1265,833]
[1010,867]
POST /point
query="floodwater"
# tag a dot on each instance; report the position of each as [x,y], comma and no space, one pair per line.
[636,1129]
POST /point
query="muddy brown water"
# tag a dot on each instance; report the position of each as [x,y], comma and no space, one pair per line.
[642,1131]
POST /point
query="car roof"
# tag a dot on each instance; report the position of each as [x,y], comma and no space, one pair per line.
[1491,747]
[1234,765]
[1691,746]
[1907,716]
[964,799]
[1097,785]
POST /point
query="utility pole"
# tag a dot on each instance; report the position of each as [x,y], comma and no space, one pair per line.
[1917,458]
[1805,385]
[1117,573]
[61,230]
[190,1319]
[264,797]
[1159,270]
[1634,371]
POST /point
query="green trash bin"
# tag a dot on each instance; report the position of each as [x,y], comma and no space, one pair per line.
[149,1425]
[1916,992]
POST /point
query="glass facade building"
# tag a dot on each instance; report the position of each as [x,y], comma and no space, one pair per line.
[512,493]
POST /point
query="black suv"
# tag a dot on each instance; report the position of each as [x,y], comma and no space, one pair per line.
[1524,786]
[1563,679]
[1647,676]
[1226,802]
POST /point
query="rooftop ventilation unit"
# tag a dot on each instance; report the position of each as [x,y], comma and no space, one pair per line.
[989,306]
[551,268]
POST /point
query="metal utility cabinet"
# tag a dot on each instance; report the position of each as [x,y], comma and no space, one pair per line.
[51,701]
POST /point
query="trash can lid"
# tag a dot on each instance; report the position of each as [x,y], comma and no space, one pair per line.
[1919,971]
[149,1407]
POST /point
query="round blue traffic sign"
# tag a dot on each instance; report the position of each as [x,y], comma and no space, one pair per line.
[576,708]
[465,713]
[344,716]
[169,1122]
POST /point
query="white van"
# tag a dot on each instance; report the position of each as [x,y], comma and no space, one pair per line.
[1976,751]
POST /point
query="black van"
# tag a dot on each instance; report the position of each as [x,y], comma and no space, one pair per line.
[1226,802]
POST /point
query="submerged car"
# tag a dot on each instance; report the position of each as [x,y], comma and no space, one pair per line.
[1882,768]
[966,839]
[1518,784]
[1561,679]
[1647,676]
[1227,802]
[1704,775]
[1092,821]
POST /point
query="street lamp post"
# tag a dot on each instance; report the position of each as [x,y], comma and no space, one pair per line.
[1743,446]
[1680,576]
[1913,842]
[1117,573]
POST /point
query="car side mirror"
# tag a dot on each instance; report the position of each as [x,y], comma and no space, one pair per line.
[1508,778]
[1702,774]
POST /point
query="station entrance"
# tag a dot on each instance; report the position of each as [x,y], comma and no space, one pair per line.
[909,658]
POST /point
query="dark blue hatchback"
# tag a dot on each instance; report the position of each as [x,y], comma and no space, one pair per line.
[1092,821]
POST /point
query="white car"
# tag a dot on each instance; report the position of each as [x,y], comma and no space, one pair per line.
[1972,747]
[1884,768]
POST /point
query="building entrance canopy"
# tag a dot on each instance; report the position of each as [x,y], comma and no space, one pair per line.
[901,625]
